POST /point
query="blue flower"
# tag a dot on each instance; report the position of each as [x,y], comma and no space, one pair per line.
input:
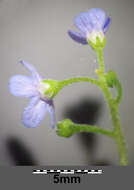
[92,24]
[33,88]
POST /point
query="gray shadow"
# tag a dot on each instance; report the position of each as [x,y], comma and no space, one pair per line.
[86,111]
[19,153]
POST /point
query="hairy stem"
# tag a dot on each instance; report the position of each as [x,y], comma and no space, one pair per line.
[69,81]
[91,129]
[113,106]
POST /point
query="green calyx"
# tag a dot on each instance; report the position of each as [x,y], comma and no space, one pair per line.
[53,88]
[98,43]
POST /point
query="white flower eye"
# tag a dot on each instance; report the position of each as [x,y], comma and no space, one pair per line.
[92,36]
[43,87]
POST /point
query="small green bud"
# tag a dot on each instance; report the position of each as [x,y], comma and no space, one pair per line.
[65,128]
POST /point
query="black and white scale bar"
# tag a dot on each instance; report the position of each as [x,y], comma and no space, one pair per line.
[67,171]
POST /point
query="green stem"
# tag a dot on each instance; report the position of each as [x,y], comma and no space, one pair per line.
[100,59]
[91,129]
[119,138]
[69,81]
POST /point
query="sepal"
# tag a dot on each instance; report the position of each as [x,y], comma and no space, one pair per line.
[51,88]
[112,81]
[98,43]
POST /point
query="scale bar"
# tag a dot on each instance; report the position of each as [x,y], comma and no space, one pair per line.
[67,171]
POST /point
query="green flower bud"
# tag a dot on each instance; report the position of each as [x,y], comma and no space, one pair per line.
[65,128]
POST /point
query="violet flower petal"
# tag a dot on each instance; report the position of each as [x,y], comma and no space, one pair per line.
[106,25]
[97,18]
[82,22]
[51,111]
[20,85]
[34,113]
[32,70]
[80,38]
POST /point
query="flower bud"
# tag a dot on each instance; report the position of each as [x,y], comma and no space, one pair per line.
[65,128]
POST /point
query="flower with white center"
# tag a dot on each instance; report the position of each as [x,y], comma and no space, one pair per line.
[33,88]
[92,25]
